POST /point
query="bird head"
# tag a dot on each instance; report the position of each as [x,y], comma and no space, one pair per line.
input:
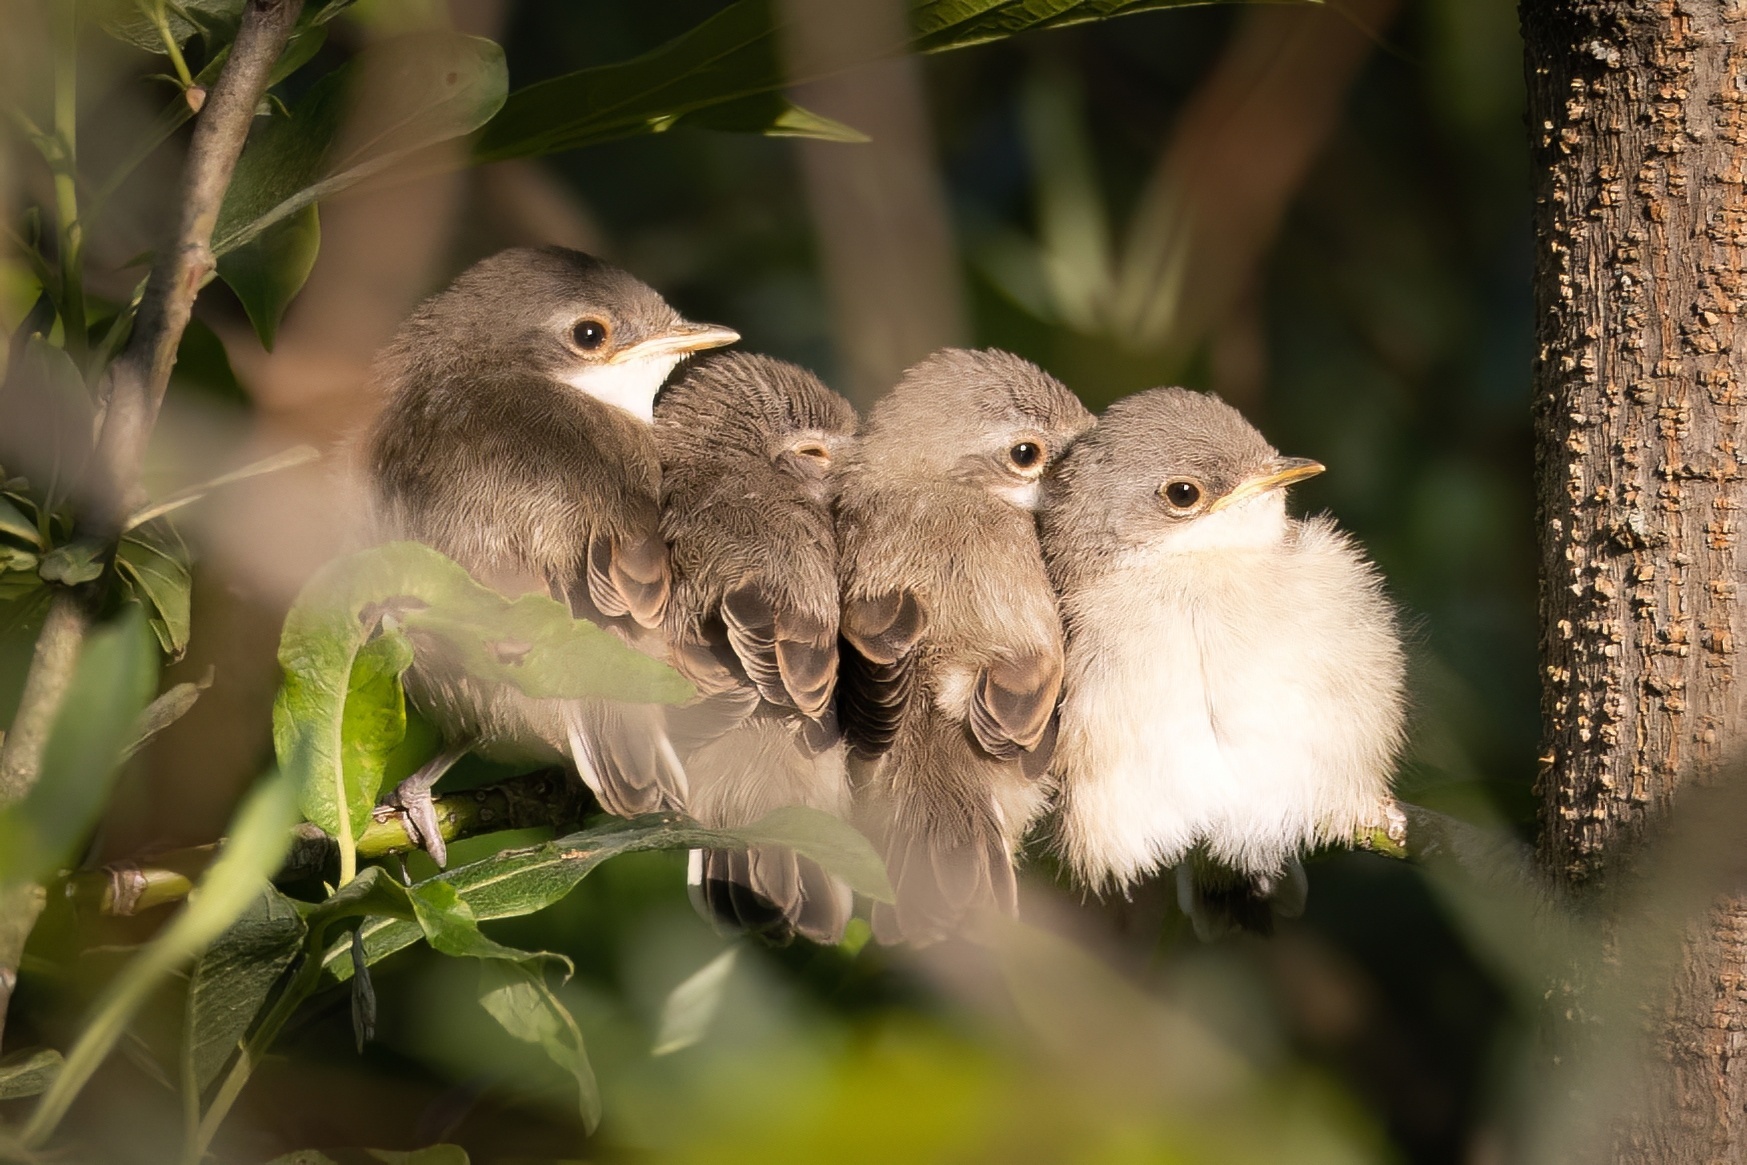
[738,404]
[568,315]
[986,419]
[1178,470]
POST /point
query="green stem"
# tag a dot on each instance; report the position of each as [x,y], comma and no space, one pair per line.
[72,241]
[156,12]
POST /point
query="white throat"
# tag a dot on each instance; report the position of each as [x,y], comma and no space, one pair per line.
[630,386]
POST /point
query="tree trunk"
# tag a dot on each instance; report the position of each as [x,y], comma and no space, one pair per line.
[1638,121]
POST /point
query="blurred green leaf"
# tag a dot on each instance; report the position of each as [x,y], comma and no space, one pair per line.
[829,840]
[116,672]
[14,524]
[256,842]
[72,564]
[155,569]
[231,982]
[394,99]
[28,1072]
[268,273]
[736,54]
[432,1155]
[164,711]
[692,1007]
[519,999]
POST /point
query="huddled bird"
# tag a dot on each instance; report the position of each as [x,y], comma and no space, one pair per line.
[516,438]
[952,656]
[747,446]
[1234,677]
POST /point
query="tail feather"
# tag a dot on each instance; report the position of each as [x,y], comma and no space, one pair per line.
[769,891]
[623,755]
[943,883]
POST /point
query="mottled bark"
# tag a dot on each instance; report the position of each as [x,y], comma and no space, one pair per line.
[1638,120]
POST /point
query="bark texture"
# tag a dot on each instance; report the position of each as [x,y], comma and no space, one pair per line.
[1638,120]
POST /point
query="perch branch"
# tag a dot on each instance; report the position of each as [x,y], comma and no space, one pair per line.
[121,889]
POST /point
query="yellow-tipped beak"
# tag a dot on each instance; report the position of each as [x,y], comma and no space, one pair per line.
[682,341]
[1281,472]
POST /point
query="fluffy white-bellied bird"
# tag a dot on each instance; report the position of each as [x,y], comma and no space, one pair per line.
[952,655]
[1234,686]
[516,439]
[747,444]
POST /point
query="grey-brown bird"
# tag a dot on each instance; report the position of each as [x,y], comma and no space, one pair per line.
[1234,691]
[747,444]
[952,643]
[517,439]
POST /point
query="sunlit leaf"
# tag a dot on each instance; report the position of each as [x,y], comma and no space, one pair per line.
[518,998]
[772,115]
[116,672]
[691,1008]
[268,273]
[28,1072]
[231,982]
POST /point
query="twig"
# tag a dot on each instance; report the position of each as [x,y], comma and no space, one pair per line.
[66,172]
[550,797]
[143,372]
[137,388]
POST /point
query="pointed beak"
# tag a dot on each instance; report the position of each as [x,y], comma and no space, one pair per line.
[1281,472]
[682,341]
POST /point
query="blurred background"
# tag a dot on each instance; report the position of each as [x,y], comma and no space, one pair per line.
[1321,214]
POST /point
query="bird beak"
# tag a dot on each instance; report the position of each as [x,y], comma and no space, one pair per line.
[1281,472]
[682,341]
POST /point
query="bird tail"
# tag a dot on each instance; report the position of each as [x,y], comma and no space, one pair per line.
[1221,901]
[623,754]
[741,776]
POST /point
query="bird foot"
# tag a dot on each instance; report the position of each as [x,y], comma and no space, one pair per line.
[413,797]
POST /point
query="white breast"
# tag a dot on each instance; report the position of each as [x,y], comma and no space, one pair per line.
[1249,698]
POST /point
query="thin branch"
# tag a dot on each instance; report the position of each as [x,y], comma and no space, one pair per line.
[66,171]
[143,372]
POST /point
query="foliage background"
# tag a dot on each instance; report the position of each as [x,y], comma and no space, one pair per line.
[1378,322]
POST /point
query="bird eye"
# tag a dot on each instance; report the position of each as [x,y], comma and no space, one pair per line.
[1182,494]
[1025,455]
[588,334]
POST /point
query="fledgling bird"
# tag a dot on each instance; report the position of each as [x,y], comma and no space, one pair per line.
[952,653]
[1234,690]
[517,440]
[747,444]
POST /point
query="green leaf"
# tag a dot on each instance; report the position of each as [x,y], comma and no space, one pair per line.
[14,524]
[393,99]
[520,1001]
[736,54]
[256,842]
[134,26]
[231,982]
[827,839]
[451,929]
[531,643]
[156,571]
[772,115]
[268,273]
[373,723]
[165,711]
[28,1072]
[692,1007]
[114,678]
[520,881]
[72,564]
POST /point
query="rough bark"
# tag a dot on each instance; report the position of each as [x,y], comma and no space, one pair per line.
[1638,121]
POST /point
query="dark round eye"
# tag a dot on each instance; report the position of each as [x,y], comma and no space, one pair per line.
[588,334]
[1025,454]
[1182,494]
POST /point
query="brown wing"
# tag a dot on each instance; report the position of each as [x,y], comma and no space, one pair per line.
[628,575]
[790,657]
[880,637]
[1014,704]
